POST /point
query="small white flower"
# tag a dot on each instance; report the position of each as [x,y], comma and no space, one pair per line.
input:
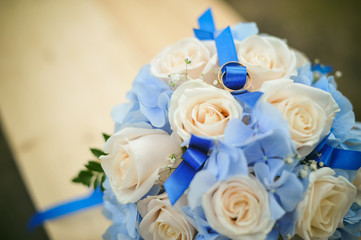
[303,173]
[313,166]
[187,60]
[289,159]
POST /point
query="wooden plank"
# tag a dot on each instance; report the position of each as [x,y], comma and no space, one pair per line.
[63,66]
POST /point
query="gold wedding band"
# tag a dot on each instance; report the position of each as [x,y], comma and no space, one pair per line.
[221,75]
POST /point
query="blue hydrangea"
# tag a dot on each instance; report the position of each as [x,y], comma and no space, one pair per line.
[352,225]
[149,100]
[125,217]
[244,29]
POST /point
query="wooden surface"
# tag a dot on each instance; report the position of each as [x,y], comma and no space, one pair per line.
[63,66]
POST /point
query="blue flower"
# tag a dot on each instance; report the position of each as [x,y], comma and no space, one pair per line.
[265,135]
[125,217]
[244,29]
[284,188]
[149,99]
[352,225]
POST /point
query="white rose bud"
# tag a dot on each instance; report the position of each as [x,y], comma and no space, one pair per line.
[326,202]
[238,208]
[199,108]
[161,221]
[134,158]
[309,111]
[188,56]
[266,58]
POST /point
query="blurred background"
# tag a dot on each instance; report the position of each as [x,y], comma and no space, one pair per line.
[65,64]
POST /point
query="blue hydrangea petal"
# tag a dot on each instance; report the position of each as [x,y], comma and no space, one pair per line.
[291,191]
[200,184]
[287,223]
[276,209]
[242,30]
[237,132]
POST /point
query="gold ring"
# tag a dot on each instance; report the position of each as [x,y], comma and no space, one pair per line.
[220,78]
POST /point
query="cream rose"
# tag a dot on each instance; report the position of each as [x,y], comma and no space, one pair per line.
[266,58]
[134,158]
[161,221]
[170,64]
[309,111]
[357,183]
[199,108]
[326,202]
[238,208]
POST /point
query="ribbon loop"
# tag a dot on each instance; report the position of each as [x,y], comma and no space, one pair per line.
[336,157]
[232,75]
[193,160]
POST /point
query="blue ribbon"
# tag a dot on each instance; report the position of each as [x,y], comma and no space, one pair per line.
[248,98]
[95,198]
[193,160]
[207,28]
[336,157]
[321,68]
[235,76]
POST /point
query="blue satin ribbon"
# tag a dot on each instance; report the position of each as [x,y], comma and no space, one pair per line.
[207,28]
[247,98]
[336,157]
[95,198]
[235,76]
[193,160]
[324,69]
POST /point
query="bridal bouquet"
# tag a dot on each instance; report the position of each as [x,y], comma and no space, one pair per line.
[232,134]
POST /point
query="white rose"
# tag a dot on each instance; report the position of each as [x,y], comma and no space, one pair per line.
[170,64]
[357,183]
[199,108]
[309,111]
[238,208]
[326,202]
[134,158]
[301,58]
[163,221]
[266,58]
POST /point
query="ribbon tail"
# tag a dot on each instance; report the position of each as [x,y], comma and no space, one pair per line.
[248,98]
[95,198]
[179,181]
[337,158]
[202,34]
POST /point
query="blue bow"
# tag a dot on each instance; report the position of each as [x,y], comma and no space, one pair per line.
[234,75]
[336,157]
[193,160]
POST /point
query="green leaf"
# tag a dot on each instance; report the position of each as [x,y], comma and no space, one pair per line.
[97,152]
[94,166]
[96,182]
[102,181]
[84,177]
[106,136]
